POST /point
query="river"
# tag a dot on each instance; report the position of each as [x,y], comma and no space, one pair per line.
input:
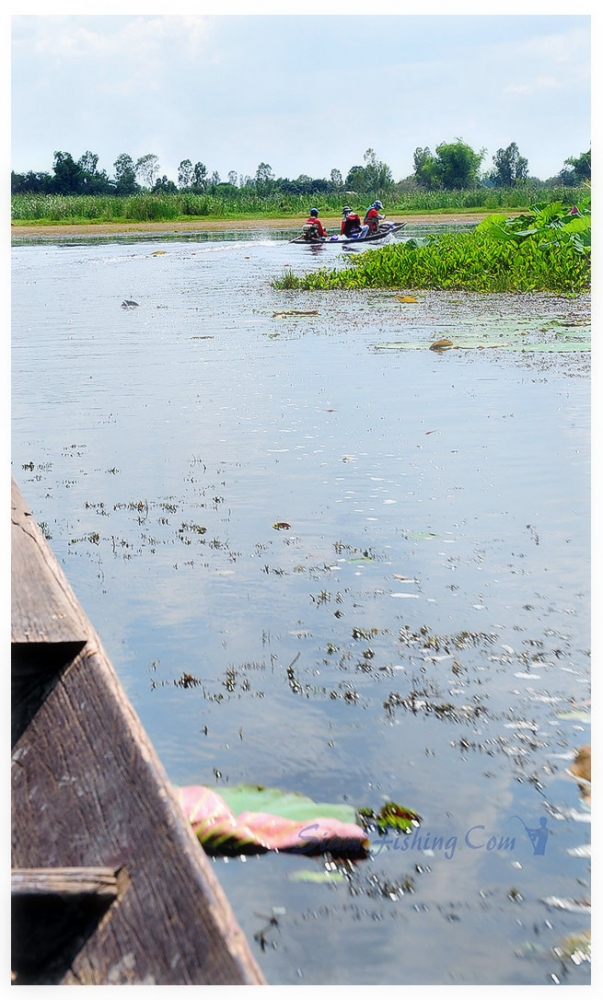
[419,632]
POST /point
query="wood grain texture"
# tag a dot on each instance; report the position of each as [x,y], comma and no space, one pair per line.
[63,882]
[88,790]
[43,605]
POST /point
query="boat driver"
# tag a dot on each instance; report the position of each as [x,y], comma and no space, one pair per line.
[372,217]
[350,224]
[313,227]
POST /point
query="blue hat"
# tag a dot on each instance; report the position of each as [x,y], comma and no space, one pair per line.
[313,211]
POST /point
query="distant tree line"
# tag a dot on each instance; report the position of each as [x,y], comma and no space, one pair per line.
[453,166]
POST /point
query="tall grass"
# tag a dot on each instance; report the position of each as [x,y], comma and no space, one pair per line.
[247,203]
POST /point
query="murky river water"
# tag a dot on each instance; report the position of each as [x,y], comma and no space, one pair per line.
[420,632]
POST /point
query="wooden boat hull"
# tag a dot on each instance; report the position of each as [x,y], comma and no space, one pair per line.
[109,884]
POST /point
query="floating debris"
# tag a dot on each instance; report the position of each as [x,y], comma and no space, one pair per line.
[295,312]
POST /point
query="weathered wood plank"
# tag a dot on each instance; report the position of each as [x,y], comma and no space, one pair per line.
[43,605]
[53,913]
[89,791]
[64,882]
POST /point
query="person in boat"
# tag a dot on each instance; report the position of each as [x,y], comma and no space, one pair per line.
[372,217]
[313,228]
[350,224]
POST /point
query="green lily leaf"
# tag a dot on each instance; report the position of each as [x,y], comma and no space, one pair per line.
[290,805]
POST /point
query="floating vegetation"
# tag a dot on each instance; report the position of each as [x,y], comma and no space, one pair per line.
[575,948]
[547,250]
[187,680]
[421,702]
[295,312]
[196,529]
[390,817]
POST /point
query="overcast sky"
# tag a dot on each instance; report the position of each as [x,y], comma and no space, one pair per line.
[304,93]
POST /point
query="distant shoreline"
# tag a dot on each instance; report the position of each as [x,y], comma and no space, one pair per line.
[217,225]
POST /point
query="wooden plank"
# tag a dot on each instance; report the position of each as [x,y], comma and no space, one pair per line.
[43,606]
[64,882]
[53,913]
[89,791]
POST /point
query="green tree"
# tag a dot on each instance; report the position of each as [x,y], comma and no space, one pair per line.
[232,177]
[32,182]
[185,173]
[68,174]
[164,186]
[199,181]
[88,162]
[458,165]
[264,178]
[147,168]
[125,175]
[92,180]
[454,167]
[378,176]
[337,179]
[375,177]
[580,166]
[509,167]
[426,170]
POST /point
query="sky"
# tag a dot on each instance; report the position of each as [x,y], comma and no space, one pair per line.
[304,92]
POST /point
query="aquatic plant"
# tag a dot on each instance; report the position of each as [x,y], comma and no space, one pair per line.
[547,250]
[552,224]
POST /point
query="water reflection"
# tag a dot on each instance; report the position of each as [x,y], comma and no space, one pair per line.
[433,580]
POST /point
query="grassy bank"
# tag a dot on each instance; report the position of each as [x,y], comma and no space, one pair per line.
[38,209]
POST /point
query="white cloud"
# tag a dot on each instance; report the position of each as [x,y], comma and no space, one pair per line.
[232,91]
[533,86]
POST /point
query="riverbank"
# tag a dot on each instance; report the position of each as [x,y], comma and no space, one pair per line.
[217,225]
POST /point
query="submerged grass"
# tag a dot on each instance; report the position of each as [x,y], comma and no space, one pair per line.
[456,262]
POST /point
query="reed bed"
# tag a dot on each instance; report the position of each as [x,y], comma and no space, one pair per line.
[246,203]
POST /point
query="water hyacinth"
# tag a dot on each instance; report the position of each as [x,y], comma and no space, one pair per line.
[480,261]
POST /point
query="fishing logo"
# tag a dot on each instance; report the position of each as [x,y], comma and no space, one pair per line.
[475,838]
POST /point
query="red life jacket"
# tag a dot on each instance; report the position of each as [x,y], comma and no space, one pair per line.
[350,224]
[372,218]
[312,220]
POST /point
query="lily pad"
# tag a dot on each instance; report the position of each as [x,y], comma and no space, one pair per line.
[291,805]
[233,828]
[561,345]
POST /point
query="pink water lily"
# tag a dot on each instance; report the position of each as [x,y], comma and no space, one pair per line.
[220,831]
